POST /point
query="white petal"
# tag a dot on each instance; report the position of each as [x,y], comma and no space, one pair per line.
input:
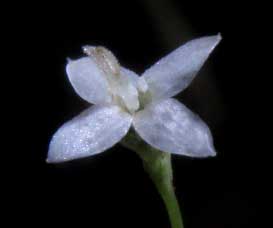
[171,127]
[142,85]
[127,90]
[93,131]
[88,80]
[173,73]
[132,76]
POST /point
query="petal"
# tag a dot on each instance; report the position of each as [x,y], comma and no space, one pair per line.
[93,131]
[132,76]
[173,73]
[138,82]
[171,127]
[88,80]
[127,90]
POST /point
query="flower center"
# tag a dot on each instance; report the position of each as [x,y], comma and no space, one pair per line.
[126,90]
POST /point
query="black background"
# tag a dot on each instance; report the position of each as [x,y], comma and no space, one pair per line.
[111,189]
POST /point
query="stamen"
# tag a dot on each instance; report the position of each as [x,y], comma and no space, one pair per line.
[125,94]
[104,58]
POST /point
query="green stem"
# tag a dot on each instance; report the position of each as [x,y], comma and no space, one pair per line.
[160,170]
[169,198]
[158,165]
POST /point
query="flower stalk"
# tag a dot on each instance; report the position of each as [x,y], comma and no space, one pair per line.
[158,165]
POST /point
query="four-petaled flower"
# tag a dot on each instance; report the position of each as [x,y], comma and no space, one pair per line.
[123,99]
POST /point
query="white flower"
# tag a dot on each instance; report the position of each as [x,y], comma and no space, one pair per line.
[123,99]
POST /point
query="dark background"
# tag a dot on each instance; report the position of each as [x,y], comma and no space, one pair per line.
[111,189]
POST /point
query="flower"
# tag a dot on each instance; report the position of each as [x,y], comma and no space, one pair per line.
[122,99]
